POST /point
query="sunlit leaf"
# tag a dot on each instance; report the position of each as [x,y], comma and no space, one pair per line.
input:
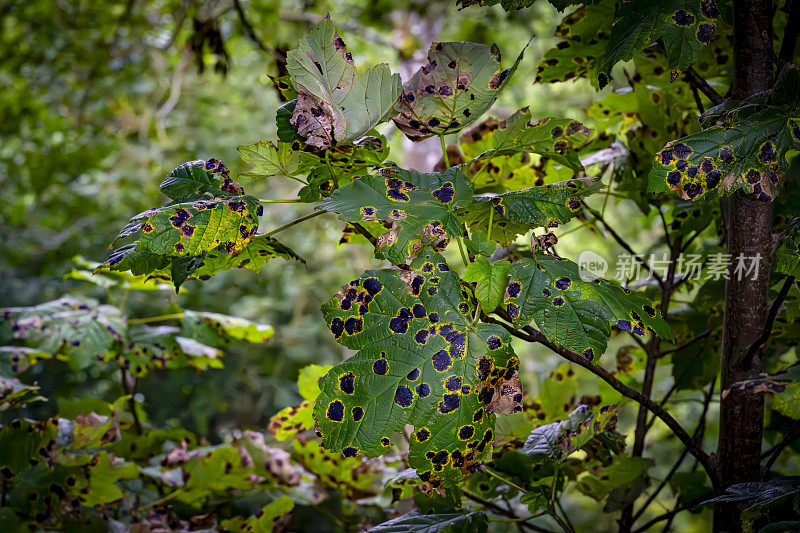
[291,420]
[214,328]
[200,179]
[421,207]
[264,520]
[421,362]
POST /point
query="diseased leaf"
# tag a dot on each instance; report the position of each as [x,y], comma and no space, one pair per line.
[745,149]
[459,83]
[491,279]
[421,362]
[558,440]
[73,330]
[416,522]
[623,481]
[350,475]
[20,358]
[178,236]
[573,313]
[685,26]
[215,328]
[421,207]
[336,104]
[291,420]
[585,34]
[14,393]
[200,179]
[153,347]
[544,206]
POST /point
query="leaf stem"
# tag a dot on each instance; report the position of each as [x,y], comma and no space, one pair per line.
[282,201]
[460,242]
[501,478]
[444,152]
[293,222]
[159,318]
[491,220]
[330,168]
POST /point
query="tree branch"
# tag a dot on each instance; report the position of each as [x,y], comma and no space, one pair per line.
[533,335]
[791,33]
[503,512]
[251,33]
[625,245]
[700,83]
[777,450]
[773,312]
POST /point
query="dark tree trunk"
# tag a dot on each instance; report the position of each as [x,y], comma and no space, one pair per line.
[748,224]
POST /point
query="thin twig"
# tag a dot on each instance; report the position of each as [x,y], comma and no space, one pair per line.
[251,33]
[503,512]
[531,334]
[666,516]
[773,312]
[776,450]
[696,80]
[365,233]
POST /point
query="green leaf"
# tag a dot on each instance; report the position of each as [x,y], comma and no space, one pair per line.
[544,206]
[421,362]
[558,440]
[459,84]
[421,207]
[20,358]
[291,420]
[491,278]
[746,149]
[585,33]
[574,313]
[14,393]
[73,330]
[284,85]
[685,26]
[787,259]
[213,469]
[478,244]
[348,475]
[626,473]
[152,347]
[264,520]
[269,160]
[181,234]
[283,123]
[215,328]
[199,179]
[102,488]
[336,104]
[416,522]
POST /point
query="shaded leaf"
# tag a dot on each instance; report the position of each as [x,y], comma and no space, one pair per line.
[200,179]
[14,393]
[787,259]
[264,520]
[491,279]
[74,330]
[417,522]
[574,313]
[336,104]
[270,160]
[215,328]
[558,440]
[421,362]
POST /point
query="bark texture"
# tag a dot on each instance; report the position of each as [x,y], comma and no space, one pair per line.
[748,226]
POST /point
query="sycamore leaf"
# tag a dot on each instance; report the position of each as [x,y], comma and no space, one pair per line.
[103,477]
[178,236]
[746,149]
[787,260]
[20,358]
[14,393]
[264,520]
[349,475]
[421,362]
[459,83]
[152,347]
[543,206]
[558,440]
[291,420]
[200,179]
[478,244]
[685,26]
[215,328]
[573,313]
[335,104]
[74,330]
[584,31]
[491,279]
[416,522]
[270,160]
[421,207]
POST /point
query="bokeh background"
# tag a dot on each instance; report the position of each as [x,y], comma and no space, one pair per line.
[100,100]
